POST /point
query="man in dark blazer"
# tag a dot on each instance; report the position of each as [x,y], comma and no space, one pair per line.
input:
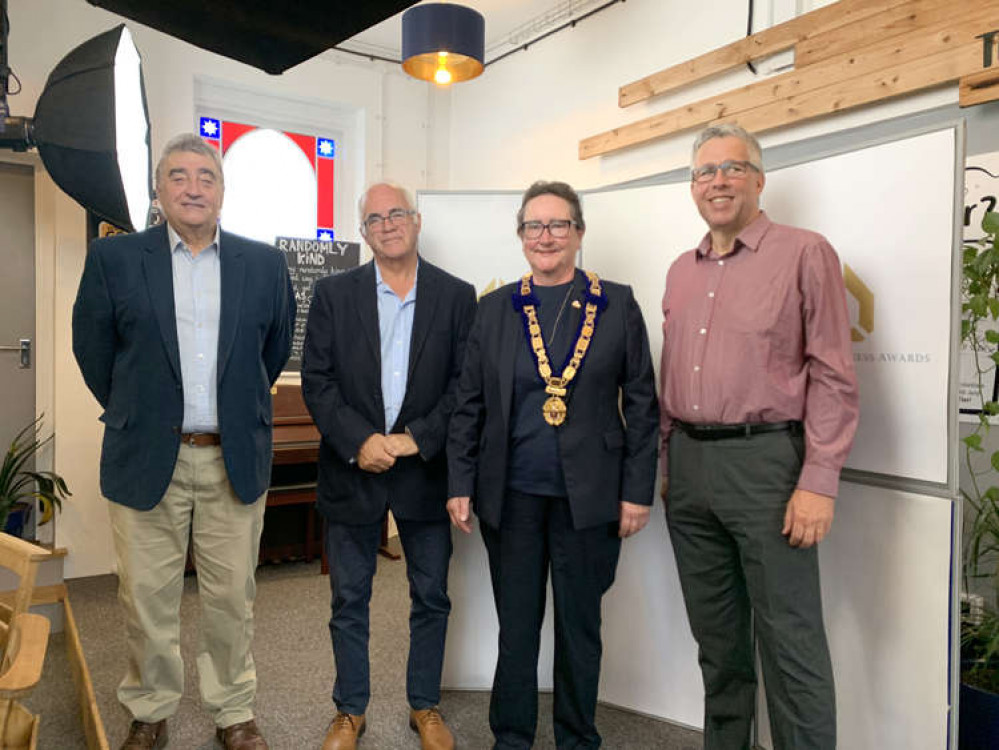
[180,331]
[383,350]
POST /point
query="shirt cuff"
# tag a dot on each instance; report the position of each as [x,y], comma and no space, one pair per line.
[819,479]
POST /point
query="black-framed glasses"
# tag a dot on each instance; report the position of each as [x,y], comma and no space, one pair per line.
[731,168]
[557,228]
[395,216]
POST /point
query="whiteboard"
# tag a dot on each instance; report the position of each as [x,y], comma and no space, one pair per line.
[887,569]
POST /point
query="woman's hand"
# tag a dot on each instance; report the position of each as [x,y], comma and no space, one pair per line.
[633,518]
[459,508]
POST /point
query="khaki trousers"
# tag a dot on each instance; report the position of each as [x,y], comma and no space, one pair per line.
[151,549]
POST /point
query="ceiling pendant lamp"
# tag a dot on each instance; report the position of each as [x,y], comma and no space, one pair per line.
[443,42]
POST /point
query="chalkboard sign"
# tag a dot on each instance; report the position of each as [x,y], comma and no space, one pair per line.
[309,261]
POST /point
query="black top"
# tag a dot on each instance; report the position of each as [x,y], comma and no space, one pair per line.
[535,466]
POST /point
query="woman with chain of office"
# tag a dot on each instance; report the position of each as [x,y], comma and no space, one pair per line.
[553,445]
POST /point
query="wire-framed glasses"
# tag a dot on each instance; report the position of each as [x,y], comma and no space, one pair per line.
[395,216]
[731,168]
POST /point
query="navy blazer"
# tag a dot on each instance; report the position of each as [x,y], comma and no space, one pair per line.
[342,387]
[125,342]
[607,443]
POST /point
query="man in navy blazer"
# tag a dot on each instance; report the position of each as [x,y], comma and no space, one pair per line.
[180,332]
[383,350]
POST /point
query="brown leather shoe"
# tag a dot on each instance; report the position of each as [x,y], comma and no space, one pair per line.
[145,736]
[434,734]
[344,731]
[242,736]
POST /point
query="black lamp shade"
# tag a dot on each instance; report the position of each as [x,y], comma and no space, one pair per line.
[428,30]
[80,135]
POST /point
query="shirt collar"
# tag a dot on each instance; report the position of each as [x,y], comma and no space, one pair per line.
[381,286]
[176,241]
[750,236]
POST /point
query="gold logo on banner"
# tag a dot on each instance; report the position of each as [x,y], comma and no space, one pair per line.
[492,286]
[865,302]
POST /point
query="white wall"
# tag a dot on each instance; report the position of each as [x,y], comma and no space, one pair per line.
[401,141]
[524,118]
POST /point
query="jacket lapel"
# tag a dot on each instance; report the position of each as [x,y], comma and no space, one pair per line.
[511,337]
[157,267]
[366,305]
[232,267]
[423,315]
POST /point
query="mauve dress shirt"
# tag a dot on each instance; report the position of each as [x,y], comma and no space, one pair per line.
[762,334]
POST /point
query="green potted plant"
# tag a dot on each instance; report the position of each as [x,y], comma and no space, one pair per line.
[979,706]
[19,485]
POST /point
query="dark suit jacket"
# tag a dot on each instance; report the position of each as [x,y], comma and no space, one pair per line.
[342,386]
[608,453]
[125,341]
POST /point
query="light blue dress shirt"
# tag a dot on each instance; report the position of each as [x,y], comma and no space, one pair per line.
[197,292]
[395,325]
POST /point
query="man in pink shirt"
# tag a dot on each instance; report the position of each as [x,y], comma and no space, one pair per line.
[759,410]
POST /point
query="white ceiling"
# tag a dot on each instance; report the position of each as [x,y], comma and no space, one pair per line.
[508,24]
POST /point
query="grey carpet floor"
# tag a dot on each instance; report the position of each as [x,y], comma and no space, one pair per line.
[295,673]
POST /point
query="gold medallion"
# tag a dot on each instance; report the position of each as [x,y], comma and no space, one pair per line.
[554,411]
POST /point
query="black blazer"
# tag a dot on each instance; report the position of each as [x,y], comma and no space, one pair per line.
[125,341]
[341,383]
[608,453]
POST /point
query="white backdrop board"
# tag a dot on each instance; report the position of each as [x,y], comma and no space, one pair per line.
[889,209]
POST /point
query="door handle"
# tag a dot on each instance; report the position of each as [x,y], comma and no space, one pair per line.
[24,347]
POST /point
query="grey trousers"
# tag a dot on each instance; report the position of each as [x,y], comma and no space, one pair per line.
[725,508]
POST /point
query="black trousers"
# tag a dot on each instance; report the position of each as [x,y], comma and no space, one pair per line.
[725,509]
[536,535]
[352,552]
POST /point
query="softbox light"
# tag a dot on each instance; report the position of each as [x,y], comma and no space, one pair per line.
[91,127]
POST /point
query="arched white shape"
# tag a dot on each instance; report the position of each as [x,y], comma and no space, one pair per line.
[270,188]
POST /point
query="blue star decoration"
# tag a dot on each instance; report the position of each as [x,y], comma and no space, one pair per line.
[324,235]
[325,147]
[210,127]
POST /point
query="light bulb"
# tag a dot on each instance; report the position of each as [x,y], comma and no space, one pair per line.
[443,76]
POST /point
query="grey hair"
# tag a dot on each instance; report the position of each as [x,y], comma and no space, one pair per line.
[406,197]
[190,143]
[729,130]
[559,190]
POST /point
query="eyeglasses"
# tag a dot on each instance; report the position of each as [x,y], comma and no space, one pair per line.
[395,216]
[731,168]
[557,228]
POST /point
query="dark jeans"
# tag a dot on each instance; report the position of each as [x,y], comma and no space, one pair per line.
[725,508]
[536,534]
[352,553]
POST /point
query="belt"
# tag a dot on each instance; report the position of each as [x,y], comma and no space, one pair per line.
[745,430]
[200,439]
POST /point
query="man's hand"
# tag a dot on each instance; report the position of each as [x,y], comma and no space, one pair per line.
[808,518]
[375,455]
[459,510]
[402,444]
[633,519]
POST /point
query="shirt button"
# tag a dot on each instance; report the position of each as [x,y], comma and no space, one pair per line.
[711,294]
[696,407]
[200,355]
[703,331]
[721,263]
[697,368]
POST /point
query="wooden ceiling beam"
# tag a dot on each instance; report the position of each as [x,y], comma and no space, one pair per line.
[769,42]
[945,38]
